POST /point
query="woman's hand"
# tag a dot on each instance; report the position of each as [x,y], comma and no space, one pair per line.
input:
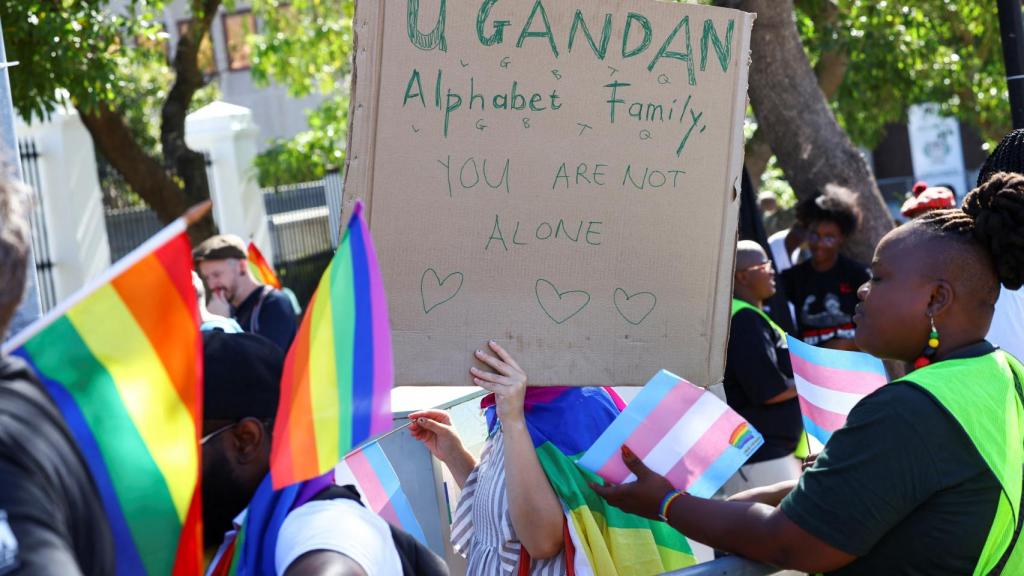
[642,497]
[434,429]
[507,382]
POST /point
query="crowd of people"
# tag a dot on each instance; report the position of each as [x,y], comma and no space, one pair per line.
[925,478]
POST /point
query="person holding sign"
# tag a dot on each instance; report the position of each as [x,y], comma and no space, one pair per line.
[758,376]
[925,477]
[525,506]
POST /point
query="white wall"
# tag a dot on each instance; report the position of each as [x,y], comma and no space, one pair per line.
[72,200]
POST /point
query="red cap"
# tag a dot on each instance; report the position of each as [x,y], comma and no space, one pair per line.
[926,200]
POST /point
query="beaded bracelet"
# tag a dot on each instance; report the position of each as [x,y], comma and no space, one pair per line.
[666,503]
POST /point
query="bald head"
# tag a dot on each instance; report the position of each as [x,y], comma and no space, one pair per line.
[748,254]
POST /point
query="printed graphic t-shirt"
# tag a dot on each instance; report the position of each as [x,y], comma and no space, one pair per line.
[824,301]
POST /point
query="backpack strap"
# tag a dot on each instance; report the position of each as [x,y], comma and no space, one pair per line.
[416,558]
[998,568]
[254,318]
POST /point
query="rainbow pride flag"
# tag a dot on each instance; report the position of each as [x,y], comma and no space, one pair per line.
[830,383]
[336,385]
[680,431]
[370,471]
[122,360]
[259,267]
[601,539]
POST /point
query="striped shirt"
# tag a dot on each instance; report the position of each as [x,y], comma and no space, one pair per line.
[482,531]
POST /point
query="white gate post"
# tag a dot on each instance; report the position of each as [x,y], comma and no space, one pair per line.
[228,134]
[70,191]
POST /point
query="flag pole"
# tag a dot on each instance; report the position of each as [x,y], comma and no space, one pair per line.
[197,212]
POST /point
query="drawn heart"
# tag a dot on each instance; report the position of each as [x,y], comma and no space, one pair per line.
[634,308]
[560,306]
[437,291]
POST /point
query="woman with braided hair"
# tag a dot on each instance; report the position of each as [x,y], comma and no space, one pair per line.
[926,475]
[1007,329]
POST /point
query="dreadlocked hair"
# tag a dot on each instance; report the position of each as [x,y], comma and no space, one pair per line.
[993,217]
[1007,157]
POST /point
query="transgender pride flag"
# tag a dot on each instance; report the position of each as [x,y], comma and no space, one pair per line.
[370,471]
[830,383]
[680,431]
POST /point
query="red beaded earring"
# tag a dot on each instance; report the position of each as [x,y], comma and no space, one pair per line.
[929,351]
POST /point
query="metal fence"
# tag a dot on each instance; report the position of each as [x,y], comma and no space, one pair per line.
[297,218]
[127,228]
[300,233]
[29,154]
[128,222]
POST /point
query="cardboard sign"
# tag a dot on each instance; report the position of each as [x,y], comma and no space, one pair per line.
[559,176]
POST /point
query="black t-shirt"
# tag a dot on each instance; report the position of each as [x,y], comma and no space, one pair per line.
[757,368]
[824,301]
[51,517]
[274,317]
[901,487]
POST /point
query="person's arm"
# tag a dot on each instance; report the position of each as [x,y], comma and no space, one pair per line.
[748,528]
[534,508]
[434,428]
[788,394]
[34,520]
[862,478]
[324,563]
[770,495]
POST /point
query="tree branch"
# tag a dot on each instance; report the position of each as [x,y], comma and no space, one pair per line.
[811,147]
[186,163]
[143,173]
[830,71]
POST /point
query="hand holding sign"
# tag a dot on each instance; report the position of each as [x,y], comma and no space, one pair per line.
[508,384]
[680,431]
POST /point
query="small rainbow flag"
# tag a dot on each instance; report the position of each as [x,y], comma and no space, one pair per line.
[830,383]
[370,471]
[122,360]
[336,385]
[259,267]
[600,538]
[680,431]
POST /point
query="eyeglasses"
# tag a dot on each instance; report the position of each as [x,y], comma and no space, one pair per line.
[823,240]
[207,438]
[202,441]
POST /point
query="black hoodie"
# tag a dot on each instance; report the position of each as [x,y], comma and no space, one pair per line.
[51,516]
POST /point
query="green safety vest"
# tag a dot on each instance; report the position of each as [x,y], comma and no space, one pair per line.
[738,305]
[984,396]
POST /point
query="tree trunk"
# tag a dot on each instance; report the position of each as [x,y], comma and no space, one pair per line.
[187,164]
[800,128]
[180,181]
[145,175]
[830,71]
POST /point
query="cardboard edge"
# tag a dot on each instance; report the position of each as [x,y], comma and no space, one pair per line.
[368,40]
[715,369]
